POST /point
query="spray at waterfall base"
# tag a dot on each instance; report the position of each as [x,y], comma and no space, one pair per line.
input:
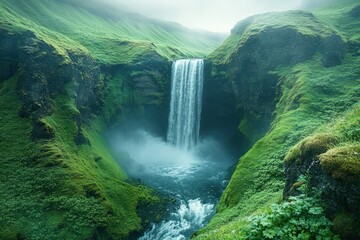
[190,170]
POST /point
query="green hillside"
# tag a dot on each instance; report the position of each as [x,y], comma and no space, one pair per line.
[314,59]
[285,84]
[112,37]
[69,72]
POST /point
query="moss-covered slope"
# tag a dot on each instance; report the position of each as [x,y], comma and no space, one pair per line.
[58,178]
[110,36]
[287,75]
[67,74]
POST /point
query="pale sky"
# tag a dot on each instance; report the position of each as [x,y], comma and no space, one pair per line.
[211,15]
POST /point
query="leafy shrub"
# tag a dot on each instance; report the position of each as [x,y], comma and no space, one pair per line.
[300,217]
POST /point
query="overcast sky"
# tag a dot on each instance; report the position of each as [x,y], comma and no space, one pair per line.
[212,15]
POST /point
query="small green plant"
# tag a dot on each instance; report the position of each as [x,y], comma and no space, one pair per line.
[300,217]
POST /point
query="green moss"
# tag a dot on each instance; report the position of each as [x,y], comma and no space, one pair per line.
[53,188]
[343,163]
[302,22]
[309,98]
[113,37]
[102,179]
[347,127]
[338,14]
[50,155]
[310,147]
[42,130]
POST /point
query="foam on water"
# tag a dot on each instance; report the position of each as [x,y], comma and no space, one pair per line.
[190,215]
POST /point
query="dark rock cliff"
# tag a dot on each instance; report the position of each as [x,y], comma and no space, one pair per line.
[240,90]
[44,74]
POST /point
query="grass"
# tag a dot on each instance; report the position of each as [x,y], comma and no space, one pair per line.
[115,37]
[53,188]
[95,173]
[309,97]
[56,189]
[59,190]
[302,22]
[338,16]
[342,161]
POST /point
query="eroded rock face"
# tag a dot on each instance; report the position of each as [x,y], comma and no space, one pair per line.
[244,90]
[43,73]
[145,86]
[241,92]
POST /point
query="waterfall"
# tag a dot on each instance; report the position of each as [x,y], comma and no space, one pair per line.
[185,104]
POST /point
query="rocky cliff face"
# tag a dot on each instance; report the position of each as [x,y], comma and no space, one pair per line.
[67,97]
[44,73]
[278,78]
[144,89]
[241,87]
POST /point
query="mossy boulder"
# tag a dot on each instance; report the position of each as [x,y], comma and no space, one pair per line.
[310,147]
[342,163]
[334,172]
[302,156]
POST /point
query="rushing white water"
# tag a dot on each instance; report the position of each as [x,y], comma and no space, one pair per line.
[193,179]
[190,171]
[185,104]
[191,214]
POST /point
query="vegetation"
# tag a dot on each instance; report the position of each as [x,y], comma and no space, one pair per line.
[309,96]
[62,190]
[342,161]
[113,37]
[302,22]
[53,186]
[301,217]
[59,178]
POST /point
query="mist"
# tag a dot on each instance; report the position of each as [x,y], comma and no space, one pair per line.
[211,15]
[143,153]
[193,178]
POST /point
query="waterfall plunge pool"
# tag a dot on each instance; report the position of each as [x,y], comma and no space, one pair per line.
[194,178]
[193,171]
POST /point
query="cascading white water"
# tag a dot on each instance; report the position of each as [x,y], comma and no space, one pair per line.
[185,104]
[183,168]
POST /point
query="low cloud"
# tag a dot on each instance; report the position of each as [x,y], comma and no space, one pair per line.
[212,15]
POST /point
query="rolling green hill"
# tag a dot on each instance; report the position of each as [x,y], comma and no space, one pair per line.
[68,72]
[294,76]
[109,36]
